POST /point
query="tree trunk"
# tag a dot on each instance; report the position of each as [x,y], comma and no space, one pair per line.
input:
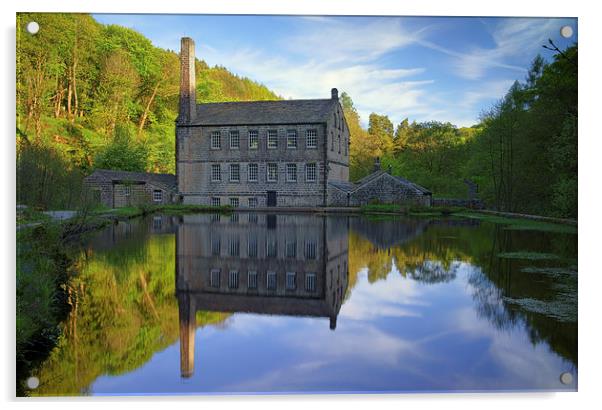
[147,109]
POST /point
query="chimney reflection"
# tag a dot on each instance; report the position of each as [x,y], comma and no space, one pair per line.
[288,265]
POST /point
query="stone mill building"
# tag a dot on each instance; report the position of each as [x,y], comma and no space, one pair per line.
[281,153]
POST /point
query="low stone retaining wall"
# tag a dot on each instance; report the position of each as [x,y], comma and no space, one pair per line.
[465,203]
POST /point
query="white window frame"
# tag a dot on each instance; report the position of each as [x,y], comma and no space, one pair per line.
[216,177]
[313,166]
[233,167]
[291,281]
[215,274]
[253,202]
[310,282]
[234,133]
[256,173]
[127,190]
[291,166]
[234,202]
[311,135]
[252,279]
[254,135]
[274,134]
[157,198]
[216,136]
[269,165]
[233,279]
[215,201]
[291,139]
[267,281]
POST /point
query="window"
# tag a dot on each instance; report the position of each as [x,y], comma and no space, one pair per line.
[271,280]
[214,218]
[272,248]
[157,195]
[272,175]
[310,282]
[252,202]
[252,247]
[216,245]
[234,218]
[310,172]
[311,139]
[310,249]
[216,140]
[234,172]
[331,141]
[157,222]
[291,249]
[291,172]
[272,139]
[234,140]
[234,246]
[291,139]
[339,143]
[253,172]
[253,218]
[233,279]
[234,203]
[127,190]
[214,279]
[252,280]
[291,281]
[216,172]
[253,139]
[215,201]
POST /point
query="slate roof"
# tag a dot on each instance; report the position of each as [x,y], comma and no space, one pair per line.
[167,180]
[350,187]
[264,112]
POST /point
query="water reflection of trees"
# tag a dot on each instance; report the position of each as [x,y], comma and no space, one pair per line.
[123,309]
[429,252]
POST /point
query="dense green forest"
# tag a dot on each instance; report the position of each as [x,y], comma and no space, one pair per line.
[102,96]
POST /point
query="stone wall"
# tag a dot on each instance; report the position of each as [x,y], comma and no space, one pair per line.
[387,190]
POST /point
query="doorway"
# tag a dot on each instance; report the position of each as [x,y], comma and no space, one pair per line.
[272,200]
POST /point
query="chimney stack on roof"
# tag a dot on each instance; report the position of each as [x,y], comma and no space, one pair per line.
[334,94]
[376,164]
[187,81]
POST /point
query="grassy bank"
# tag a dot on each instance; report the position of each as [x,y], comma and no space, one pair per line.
[172,209]
[42,294]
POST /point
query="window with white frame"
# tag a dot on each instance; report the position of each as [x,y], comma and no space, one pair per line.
[291,249]
[253,172]
[311,138]
[233,279]
[234,172]
[272,139]
[291,281]
[310,282]
[214,278]
[216,140]
[253,202]
[234,140]
[127,189]
[252,280]
[157,195]
[272,172]
[310,249]
[215,201]
[291,172]
[234,203]
[252,247]
[291,139]
[271,280]
[271,248]
[216,172]
[310,172]
[234,246]
[216,245]
[253,139]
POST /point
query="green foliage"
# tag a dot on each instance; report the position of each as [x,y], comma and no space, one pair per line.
[123,153]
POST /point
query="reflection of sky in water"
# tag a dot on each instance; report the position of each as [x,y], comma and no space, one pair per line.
[393,334]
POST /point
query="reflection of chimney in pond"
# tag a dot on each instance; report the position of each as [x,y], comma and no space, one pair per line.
[285,265]
[187,329]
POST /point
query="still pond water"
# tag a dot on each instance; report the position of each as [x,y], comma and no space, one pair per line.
[304,303]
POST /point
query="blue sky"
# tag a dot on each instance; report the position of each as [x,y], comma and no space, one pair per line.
[423,68]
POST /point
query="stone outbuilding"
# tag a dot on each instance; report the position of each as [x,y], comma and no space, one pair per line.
[115,189]
[378,187]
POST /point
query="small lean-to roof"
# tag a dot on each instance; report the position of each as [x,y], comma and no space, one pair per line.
[373,176]
[343,185]
[167,180]
[264,112]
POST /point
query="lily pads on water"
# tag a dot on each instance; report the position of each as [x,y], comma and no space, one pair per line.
[534,256]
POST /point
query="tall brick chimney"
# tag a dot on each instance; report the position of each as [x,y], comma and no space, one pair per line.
[187,81]
[334,94]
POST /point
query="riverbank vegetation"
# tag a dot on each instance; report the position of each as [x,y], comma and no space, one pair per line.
[103,96]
